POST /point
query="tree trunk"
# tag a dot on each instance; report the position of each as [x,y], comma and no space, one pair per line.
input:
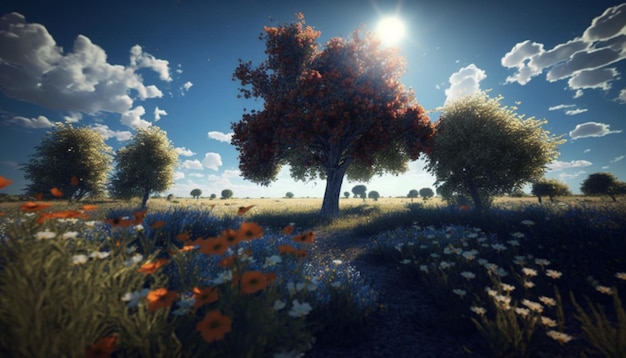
[144,200]
[539,198]
[334,179]
[478,204]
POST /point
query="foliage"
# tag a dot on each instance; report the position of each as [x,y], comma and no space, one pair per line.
[213,196]
[549,187]
[484,149]
[73,160]
[346,194]
[413,193]
[227,194]
[144,166]
[373,195]
[426,193]
[327,113]
[359,191]
[289,195]
[195,193]
[603,184]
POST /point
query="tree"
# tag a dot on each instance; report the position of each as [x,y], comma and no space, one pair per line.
[346,194]
[144,166]
[412,194]
[484,149]
[213,196]
[359,191]
[327,113]
[550,188]
[227,194]
[426,193]
[196,193]
[289,195]
[603,184]
[73,160]
[373,195]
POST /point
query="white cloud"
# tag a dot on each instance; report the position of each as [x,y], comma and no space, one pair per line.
[196,175]
[187,85]
[158,113]
[622,96]
[591,129]
[179,175]
[570,109]
[38,122]
[219,136]
[212,161]
[184,152]
[107,133]
[140,59]
[582,60]
[561,106]
[192,164]
[573,112]
[464,82]
[230,173]
[587,150]
[617,159]
[568,176]
[132,118]
[559,165]
[73,117]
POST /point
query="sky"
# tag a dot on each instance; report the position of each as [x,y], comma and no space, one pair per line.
[116,66]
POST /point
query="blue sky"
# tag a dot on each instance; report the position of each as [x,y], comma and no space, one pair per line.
[119,65]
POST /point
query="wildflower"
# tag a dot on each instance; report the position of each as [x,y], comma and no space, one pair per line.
[184,305]
[444,265]
[244,209]
[31,207]
[204,295]
[133,298]
[138,217]
[468,275]
[504,301]
[559,336]
[405,261]
[513,243]
[518,235]
[214,326]
[500,272]
[214,246]
[464,207]
[270,276]
[605,290]
[299,309]
[507,288]
[99,254]
[301,253]
[542,262]
[253,281]
[491,292]
[533,306]
[528,222]
[56,192]
[183,236]
[498,247]
[337,262]
[272,260]
[522,311]
[470,255]
[478,310]
[74,181]
[45,235]
[131,249]
[434,255]
[424,268]
[288,230]
[79,259]
[160,298]
[553,274]
[4,182]
[529,272]
[135,259]
[473,235]
[151,267]
[621,275]
[529,284]
[139,227]
[293,288]
[119,222]
[548,322]
[231,237]
[279,305]
[103,347]
[223,277]
[308,237]
[459,292]
[248,231]
[519,260]
[227,261]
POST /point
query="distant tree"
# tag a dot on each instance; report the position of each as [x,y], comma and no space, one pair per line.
[413,193]
[484,149]
[213,196]
[550,188]
[289,195]
[346,194]
[373,195]
[169,197]
[196,193]
[359,191]
[227,194]
[73,160]
[603,184]
[426,193]
[144,166]
[327,113]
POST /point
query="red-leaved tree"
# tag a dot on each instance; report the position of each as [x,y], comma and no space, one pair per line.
[327,113]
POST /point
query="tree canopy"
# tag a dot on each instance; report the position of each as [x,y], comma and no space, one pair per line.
[603,184]
[227,194]
[373,195]
[484,149]
[75,161]
[195,193]
[327,113]
[144,166]
[413,193]
[427,193]
[359,191]
[549,188]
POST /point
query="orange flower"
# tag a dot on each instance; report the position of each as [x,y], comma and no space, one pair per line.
[38,196]
[253,281]
[160,298]
[4,182]
[56,192]
[103,347]
[308,237]
[249,231]
[138,217]
[89,207]
[287,249]
[158,224]
[183,236]
[214,326]
[31,207]
[231,237]
[301,253]
[151,267]
[187,248]
[464,207]
[227,262]
[74,181]
[244,209]
[205,295]
[214,246]
[119,222]
[270,276]
[288,230]
[65,214]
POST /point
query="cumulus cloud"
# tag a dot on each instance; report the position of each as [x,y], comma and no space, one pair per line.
[561,106]
[212,161]
[179,175]
[73,117]
[570,109]
[34,69]
[568,176]
[192,164]
[132,118]
[464,82]
[38,122]
[582,61]
[591,129]
[187,85]
[573,112]
[622,96]
[559,165]
[219,136]
[617,159]
[184,152]
[196,175]
[107,133]
[158,113]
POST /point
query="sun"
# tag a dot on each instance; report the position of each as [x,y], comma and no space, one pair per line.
[391,30]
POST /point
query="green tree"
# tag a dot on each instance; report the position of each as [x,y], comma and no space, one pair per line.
[73,160]
[289,195]
[327,113]
[144,166]
[227,194]
[346,194]
[373,195]
[484,149]
[359,191]
[196,193]
[603,184]
[550,188]
[213,196]
[413,193]
[426,193]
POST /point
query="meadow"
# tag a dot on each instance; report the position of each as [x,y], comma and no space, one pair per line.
[240,278]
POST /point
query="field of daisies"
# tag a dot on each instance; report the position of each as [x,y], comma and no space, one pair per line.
[228,281]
